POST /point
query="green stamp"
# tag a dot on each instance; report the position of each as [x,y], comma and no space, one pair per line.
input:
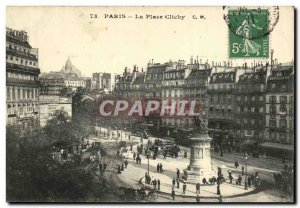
[248,33]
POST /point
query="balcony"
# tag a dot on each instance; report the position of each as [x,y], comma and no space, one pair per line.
[21,68]
[21,54]
[22,82]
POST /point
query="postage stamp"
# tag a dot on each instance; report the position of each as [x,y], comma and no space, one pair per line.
[248,33]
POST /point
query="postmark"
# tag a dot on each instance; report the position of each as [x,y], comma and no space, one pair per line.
[249,30]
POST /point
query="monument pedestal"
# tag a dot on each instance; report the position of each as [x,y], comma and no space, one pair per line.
[200,160]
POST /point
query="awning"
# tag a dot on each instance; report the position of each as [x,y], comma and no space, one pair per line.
[288,147]
[187,130]
[249,142]
[147,124]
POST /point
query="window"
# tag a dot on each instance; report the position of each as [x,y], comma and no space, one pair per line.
[272,109]
[283,99]
[282,123]
[245,121]
[238,109]
[283,137]
[245,109]
[273,86]
[246,98]
[13,94]
[11,58]
[282,109]
[272,135]
[253,98]
[8,93]
[261,98]
[252,109]
[252,121]
[262,88]
[272,123]
[273,99]
[261,109]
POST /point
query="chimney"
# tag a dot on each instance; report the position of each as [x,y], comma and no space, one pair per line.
[197,60]
[212,63]
[192,60]
[152,61]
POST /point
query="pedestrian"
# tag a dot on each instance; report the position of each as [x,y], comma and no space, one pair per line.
[249,181]
[177,180]
[137,160]
[134,155]
[154,184]
[130,145]
[157,168]
[158,184]
[140,160]
[204,181]
[185,154]
[184,188]
[104,166]
[198,188]
[173,194]
[119,169]
[129,139]
[218,190]
[236,164]
[197,198]
[178,173]
[161,168]
[118,153]
[126,163]
[243,169]
[252,179]
[240,180]
[122,167]
[230,178]
[100,166]
[173,183]
[165,155]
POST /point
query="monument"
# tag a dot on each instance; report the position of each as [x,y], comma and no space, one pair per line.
[200,160]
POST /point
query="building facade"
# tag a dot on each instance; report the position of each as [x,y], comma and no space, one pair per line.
[221,94]
[22,86]
[280,99]
[250,106]
[49,104]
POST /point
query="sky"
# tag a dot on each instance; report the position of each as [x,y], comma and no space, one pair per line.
[109,45]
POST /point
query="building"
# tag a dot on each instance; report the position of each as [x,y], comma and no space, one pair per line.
[69,68]
[52,83]
[49,104]
[22,86]
[221,92]
[101,81]
[280,100]
[62,82]
[250,107]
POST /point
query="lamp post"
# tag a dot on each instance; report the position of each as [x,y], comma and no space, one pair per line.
[148,157]
[246,182]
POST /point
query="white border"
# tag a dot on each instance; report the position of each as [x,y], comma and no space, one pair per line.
[5,3]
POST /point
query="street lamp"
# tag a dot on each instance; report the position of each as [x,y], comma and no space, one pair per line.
[148,157]
[246,182]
